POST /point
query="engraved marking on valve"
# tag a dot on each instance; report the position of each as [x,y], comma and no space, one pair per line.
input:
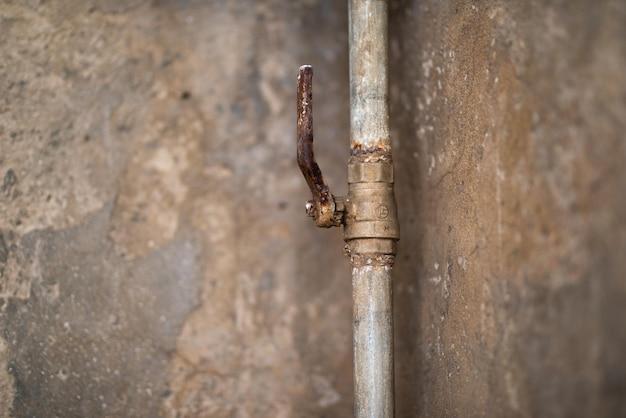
[383,211]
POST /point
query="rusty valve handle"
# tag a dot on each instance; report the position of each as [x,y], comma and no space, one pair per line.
[326,209]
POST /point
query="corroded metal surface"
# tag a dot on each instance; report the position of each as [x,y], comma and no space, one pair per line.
[322,207]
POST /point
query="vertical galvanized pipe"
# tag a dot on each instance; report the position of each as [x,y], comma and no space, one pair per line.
[371,273]
[369,111]
[373,341]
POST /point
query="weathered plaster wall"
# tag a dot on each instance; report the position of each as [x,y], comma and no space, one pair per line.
[154,255]
[509,120]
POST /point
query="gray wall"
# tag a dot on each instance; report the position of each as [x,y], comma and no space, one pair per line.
[155,259]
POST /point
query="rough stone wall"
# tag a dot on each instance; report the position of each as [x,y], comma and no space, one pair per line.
[154,255]
[509,120]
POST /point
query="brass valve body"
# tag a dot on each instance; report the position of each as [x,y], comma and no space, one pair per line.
[370,217]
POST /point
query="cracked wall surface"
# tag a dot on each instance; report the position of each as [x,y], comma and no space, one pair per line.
[155,259]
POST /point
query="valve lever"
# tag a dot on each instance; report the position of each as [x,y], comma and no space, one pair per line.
[324,207]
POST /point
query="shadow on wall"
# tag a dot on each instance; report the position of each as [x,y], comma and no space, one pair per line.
[408,189]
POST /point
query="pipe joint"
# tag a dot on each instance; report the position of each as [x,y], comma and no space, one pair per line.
[370,219]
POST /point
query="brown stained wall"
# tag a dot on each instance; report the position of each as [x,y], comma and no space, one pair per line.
[509,121]
[155,259]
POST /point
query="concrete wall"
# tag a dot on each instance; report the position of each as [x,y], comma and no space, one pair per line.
[511,286]
[155,256]
[155,259]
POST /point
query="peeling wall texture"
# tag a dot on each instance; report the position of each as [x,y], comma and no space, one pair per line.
[155,259]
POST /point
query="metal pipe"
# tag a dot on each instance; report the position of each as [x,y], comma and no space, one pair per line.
[371,278]
[369,110]
[373,341]
[368,212]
